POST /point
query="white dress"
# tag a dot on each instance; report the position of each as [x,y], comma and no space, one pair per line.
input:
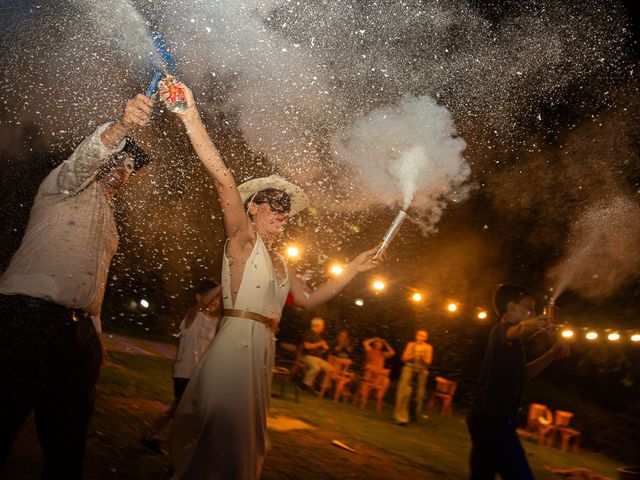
[220,427]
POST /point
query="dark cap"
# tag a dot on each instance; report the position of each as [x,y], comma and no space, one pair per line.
[140,157]
[507,293]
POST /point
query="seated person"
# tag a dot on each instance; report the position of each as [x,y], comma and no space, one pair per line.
[342,347]
[377,350]
[313,351]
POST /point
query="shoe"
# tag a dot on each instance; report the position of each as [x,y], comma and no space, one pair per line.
[151,443]
[306,388]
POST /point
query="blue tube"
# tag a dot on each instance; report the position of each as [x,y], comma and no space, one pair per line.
[153,86]
[167,67]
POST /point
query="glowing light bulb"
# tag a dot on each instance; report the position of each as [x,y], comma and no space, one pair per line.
[416,297]
[567,333]
[482,315]
[591,335]
[452,307]
[144,303]
[336,269]
[293,251]
[378,285]
[359,302]
[635,337]
[613,337]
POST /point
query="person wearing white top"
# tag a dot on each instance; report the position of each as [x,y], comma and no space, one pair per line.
[197,329]
[50,353]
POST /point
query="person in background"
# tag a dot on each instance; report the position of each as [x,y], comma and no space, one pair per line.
[197,330]
[417,358]
[342,348]
[314,348]
[496,448]
[50,352]
[377,351]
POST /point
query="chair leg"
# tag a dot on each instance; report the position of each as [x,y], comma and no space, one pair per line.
[445,407]
[339,387]
[326,381]
[432,404]
[364,396]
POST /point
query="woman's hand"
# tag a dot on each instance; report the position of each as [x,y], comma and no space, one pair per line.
[364,262]
[191,109]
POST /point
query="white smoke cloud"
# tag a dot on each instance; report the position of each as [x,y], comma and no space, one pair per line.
[404,152]
[602,251]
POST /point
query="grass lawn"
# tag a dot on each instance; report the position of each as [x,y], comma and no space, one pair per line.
[133,390]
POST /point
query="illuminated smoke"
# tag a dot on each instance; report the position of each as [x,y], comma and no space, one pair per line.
[602,251]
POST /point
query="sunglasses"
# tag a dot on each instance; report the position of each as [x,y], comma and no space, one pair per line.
[278,201]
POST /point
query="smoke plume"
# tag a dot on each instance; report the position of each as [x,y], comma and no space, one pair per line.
[602,251]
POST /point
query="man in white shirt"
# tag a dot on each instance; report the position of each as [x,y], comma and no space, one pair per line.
[50,353]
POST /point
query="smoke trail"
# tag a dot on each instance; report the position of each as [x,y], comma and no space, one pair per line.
[406,150]
[602,251]
[126,29]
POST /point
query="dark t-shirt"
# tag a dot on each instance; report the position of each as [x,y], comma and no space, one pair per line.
[312,337]
[502,377]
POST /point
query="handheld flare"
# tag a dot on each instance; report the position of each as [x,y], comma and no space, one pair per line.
[393,229]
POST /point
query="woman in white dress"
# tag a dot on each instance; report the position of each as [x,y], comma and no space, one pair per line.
[220,429]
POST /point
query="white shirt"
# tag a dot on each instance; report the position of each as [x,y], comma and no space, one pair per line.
[71,236]
[194,342]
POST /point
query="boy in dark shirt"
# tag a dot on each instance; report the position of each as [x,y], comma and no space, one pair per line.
[495,444]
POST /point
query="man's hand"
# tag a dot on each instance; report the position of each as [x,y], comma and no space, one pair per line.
[137,112]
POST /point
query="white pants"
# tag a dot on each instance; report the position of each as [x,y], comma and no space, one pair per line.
[315,364]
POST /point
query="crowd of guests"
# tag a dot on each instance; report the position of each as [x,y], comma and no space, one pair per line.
[316,354]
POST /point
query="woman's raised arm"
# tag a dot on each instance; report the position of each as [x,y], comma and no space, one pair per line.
[236,221]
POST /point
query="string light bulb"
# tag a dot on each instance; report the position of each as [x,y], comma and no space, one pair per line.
[591,336]
[336,269]
[293,251]
[567,333]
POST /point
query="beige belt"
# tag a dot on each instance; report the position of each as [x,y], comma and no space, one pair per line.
[271,323]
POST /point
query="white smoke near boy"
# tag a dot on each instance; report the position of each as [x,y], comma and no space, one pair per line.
[601,253]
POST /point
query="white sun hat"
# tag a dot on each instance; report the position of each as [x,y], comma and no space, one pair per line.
[299,199]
